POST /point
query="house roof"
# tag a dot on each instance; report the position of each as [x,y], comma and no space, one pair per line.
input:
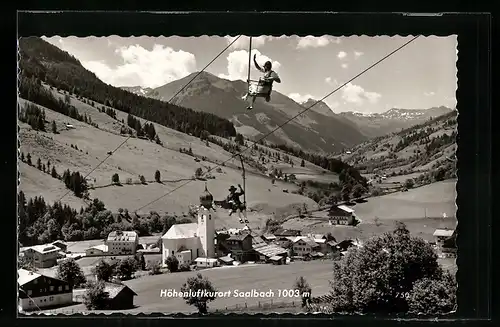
[45,248]
[123,236]
[346,208]
[305,239]
[205,260]
[276,258]
[101,247]
[444,232]
[320,240]
[338,212]
[59,242]
[114,289]
[287,232]
[25,276]
[179,231]
[269,236]
[226,259]
[269,250]
[239,237]
[258,241]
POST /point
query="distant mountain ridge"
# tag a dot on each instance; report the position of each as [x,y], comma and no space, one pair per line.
[393,120]
[318,129]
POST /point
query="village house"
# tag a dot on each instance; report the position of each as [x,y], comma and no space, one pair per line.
[269,238]
[206,262]
[304,246]
[42,256]
[120,296]
[240,247]
[37,291]
[97,250]
[267,252]
[122,242]
[341,215]
[446,241]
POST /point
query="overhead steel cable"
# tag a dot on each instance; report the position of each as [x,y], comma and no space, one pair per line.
[121,144]
[287,121]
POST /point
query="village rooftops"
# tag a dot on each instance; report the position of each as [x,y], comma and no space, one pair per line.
[444,232]
[180,231]
[122,236]
[44,249]
[287,232]
[269,250]
[211,260]
[239,237]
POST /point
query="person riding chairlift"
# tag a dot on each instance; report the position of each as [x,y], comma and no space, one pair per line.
[234,198]
[269,77]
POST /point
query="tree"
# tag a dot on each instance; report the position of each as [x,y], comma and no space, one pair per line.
[53,173]
[22,156]
[70,272]
[142,179]
[302,163]
[115,179]
[140,261]
[434,295]
[239,139]
[172,263]
[103,271]
[304,289]
[54,127]
[126,268]
[200,291]
[95,296]
[199,172]
[39,164]
[357,191]
[158,176]
[28,159]
[409,183]
[378,277]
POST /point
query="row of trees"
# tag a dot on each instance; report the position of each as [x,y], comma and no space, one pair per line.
[31,89]
[41,223]
[70,75]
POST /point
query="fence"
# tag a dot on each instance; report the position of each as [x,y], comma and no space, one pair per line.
[260,306]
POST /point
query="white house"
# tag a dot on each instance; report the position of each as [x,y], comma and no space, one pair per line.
[341,215]
[37,291]
[42,256]
[188,242]
[122,242]
[97,250]
[303,245]
[206,262]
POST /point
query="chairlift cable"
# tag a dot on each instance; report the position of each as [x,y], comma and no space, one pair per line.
[119,146]
[289,120]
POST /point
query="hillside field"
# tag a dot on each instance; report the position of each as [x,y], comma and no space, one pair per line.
[142,157]
[421,209]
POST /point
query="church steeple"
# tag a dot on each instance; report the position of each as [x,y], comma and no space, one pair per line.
[206,198]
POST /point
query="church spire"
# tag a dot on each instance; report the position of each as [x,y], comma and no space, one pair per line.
[206,198]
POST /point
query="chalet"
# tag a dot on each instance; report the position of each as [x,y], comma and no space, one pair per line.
[122,242]
[442,235]
[97,250]
[37,291]
[446,241]
[341,215]
[303,246]
[42,256]
[342,246]
[240,247]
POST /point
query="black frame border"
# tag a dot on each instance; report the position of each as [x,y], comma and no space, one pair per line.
[474,124]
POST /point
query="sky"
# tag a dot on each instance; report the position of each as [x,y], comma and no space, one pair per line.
[420,76]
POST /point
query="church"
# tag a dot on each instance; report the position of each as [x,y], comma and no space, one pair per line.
[189,242]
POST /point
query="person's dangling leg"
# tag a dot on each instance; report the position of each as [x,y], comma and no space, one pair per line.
[250,107]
